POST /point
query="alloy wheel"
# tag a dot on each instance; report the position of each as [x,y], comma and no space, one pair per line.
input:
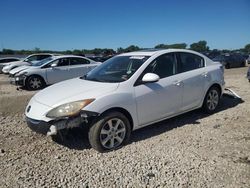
[112,133]
[35,83]
[212,99]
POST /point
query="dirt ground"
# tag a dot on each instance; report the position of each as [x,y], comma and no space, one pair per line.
[191,150]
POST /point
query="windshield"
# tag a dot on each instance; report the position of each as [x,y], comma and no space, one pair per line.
[42,62]
[116,69]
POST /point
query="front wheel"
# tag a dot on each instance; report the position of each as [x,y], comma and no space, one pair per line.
[211,100]
[109,132]
[34,83]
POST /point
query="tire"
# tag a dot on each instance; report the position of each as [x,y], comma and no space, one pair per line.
[106,135]
[212,100]
[227,66]
[243,64]
[34,83]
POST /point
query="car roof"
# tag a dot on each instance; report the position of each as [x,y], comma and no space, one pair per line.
[151,52]
[9,58]
[67,56]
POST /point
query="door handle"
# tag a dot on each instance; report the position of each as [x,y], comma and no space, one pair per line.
[177,83]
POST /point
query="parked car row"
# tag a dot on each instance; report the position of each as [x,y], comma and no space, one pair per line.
[38,70]
[7,67]
[231,60]
[127,92]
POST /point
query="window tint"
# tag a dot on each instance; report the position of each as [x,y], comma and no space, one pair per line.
[31,58]
[190,61]
[163,66]
[116,69]
[41,57]
[62,62]
[78,61]
[7,60]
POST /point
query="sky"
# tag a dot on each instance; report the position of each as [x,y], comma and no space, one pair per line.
[88,24]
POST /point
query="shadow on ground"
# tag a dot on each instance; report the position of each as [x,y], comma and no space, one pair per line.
[78,138]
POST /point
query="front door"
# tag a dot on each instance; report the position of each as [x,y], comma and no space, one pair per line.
[156,101]
[59,72]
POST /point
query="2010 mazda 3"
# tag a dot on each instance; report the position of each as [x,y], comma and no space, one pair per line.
[128,92]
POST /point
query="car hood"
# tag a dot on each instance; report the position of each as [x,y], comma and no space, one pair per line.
[73,90]
[19,69]
[16,64]
[19,63]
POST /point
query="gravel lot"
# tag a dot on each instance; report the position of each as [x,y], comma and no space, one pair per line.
[191,150]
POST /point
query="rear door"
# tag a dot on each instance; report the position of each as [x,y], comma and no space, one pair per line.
[192,69]
[60,72]
[78,67]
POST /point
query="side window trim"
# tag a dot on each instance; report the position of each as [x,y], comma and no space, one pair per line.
[82,61]
[180,65]
[137,82]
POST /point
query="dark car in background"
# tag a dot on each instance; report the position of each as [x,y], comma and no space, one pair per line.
[248,60]
[231,60]
[248,74]
[8,59]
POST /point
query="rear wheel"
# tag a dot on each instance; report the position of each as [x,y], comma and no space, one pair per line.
[34,83]
[243,64]
[211,100]
[227,66]
[109,132]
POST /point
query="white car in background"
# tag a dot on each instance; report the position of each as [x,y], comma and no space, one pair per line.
[52,70]
[128,92]
[7,67]
[6,60]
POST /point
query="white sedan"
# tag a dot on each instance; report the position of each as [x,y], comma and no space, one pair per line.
[51,70]
[128,92]
[7,67]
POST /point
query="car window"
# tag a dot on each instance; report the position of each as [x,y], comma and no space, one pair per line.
[116,69]
[41,57]
[7,60]
[31,58]
[189,61]
[78,61]
[63,62]
[163,66]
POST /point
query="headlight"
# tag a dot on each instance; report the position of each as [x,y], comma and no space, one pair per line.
[68,109]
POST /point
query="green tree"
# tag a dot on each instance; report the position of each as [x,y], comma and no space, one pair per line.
[161,46]
[36,50]
[247,48]
[8,51]
[167,46]
[77,52]
[200,46]
[131,48]
[120,50]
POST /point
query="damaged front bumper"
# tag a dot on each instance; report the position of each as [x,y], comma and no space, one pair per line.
[52,127]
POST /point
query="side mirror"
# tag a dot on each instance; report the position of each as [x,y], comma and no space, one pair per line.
[53,65]
[150,78]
